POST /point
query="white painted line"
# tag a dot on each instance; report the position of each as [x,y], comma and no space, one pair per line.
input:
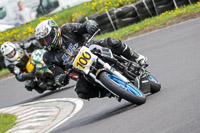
[24,127]
[33,120]
[32,114]
[79,105]
[9,109]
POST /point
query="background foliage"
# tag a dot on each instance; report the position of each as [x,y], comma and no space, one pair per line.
[22,32]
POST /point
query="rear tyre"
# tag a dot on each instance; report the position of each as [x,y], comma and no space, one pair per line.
[155,85]
[124,90]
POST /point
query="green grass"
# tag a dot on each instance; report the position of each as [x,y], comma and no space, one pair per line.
[153,22]
[22,32]
[4,71]
[7,121]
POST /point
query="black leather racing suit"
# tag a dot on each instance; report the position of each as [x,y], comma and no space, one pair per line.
[74,33]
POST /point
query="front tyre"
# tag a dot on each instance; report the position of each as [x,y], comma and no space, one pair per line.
[124,90]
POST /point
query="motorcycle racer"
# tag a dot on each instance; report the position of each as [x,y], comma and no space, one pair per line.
[72,35]
[16,58]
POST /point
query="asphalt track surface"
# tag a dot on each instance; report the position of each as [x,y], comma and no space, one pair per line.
[173,55]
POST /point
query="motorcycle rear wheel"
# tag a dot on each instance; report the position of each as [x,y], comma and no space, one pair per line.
[124,90]
[155,85]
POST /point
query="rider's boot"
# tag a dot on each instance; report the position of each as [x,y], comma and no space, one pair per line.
[39,89]
[128,53]
[120,48]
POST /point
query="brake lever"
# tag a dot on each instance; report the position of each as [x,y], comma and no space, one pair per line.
[87,41]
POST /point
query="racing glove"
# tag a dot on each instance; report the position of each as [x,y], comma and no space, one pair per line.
[91,26]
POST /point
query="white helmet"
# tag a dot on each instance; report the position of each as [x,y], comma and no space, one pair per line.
[9,51]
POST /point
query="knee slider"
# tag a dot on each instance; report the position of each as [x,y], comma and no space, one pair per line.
[114,43]
[83,96]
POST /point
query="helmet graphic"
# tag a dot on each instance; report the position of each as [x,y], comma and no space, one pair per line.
[47,34]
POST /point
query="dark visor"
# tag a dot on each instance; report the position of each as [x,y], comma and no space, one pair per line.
[48,39]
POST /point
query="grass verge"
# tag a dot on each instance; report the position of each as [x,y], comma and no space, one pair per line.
[22,32]
[165,19]
[155,22]
[4,71]
[7,121]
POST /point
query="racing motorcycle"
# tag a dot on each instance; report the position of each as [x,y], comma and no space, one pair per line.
[43,76]
[123,78]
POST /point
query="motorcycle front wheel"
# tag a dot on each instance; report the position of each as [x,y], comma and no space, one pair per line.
[124,90]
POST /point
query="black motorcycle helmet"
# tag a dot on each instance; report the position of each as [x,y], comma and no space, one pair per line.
[47,34]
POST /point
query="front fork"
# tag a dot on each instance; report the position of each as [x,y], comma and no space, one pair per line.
[112,70]
[108,68]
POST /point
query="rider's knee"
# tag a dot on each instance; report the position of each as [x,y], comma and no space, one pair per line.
[29,88]
[83,96]
[114,43]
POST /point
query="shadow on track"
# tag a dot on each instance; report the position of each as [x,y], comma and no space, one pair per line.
[45,95]
[97,117]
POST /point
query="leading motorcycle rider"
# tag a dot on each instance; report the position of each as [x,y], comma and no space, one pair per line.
[16,56]
[55,40]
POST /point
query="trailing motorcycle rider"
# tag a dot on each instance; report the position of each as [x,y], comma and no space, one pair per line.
[55,40]
[16,58]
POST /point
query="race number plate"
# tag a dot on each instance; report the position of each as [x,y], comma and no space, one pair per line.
[83,59]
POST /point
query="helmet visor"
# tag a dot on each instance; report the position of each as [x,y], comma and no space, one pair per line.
[11,54]
[46,41]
